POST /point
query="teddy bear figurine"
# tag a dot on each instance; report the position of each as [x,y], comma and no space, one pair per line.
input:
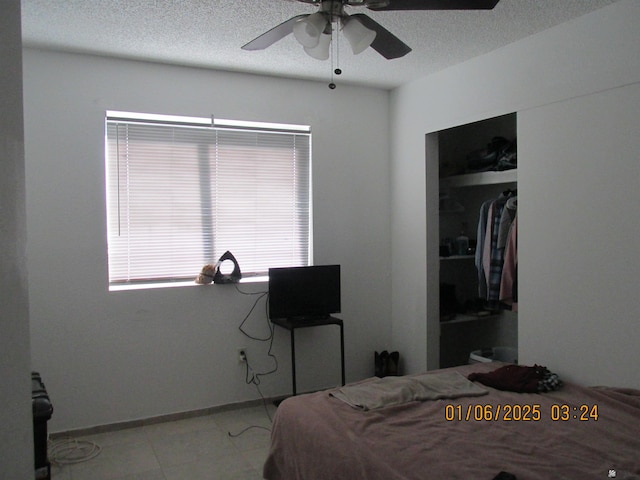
[206,275]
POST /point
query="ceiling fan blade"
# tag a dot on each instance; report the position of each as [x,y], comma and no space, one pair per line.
[437,5]
[385,43]
[272,36]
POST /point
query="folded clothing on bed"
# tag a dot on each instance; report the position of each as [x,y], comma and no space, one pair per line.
[388,391]
[519,378]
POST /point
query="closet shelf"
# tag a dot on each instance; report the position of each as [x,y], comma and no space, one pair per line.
[480,178]
[458,257]
[468,318]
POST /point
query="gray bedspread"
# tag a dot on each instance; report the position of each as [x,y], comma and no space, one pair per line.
[389,391]
[574,433]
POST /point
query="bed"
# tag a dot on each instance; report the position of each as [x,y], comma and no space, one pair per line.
[571,433]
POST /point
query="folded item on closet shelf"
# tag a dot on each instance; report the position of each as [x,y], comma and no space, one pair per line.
[499,154]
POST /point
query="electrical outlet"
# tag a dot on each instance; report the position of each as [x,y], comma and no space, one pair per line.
[242,355]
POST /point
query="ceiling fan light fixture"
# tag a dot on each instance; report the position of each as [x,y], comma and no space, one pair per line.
[359,36]
[322,50]
[308,30]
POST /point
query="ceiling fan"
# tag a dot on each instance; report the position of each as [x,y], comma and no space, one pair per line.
[314,31]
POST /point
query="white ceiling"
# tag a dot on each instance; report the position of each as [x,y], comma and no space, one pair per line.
[209,33]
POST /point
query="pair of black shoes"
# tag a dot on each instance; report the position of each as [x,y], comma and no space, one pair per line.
[386,363]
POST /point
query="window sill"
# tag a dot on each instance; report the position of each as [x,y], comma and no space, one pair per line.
[186,283]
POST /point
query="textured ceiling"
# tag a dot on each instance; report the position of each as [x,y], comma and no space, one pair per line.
[209,33]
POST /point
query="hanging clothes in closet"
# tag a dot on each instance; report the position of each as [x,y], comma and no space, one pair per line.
[496,252]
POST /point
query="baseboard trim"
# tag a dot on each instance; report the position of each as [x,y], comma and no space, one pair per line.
[171,417]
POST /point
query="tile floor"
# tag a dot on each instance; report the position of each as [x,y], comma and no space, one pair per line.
[194,448]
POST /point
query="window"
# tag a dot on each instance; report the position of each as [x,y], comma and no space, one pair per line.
[181,192]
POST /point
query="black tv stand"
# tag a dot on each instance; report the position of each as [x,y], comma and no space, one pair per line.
[306,320]
[292,323]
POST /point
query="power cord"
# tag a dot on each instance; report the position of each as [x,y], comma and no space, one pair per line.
[251,376]
[255,377]
[67,451]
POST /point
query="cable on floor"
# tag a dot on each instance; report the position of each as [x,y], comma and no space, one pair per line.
[253,378]
[67,451]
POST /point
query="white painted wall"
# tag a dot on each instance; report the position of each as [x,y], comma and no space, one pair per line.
[16,428]
[115,356]
[582,307]
[575,87]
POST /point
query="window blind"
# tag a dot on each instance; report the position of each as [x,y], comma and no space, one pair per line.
[181,194]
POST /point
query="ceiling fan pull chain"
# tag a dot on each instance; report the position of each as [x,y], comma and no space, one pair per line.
[334,54]
[337,24]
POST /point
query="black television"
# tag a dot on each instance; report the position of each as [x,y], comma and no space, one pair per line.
[304,293]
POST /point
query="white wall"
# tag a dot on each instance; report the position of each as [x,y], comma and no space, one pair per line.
[582,306]
[115,356]
[575,87]
[16,430]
